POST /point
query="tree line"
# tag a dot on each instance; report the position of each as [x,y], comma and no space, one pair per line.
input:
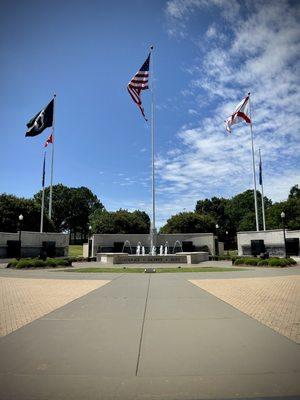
[76,210]
[236,214]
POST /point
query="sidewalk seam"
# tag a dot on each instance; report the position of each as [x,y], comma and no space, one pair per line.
[142,331]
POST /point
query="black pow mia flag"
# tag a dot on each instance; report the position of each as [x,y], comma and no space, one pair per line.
[42,120]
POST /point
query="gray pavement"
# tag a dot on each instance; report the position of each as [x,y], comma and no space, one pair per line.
[148,336]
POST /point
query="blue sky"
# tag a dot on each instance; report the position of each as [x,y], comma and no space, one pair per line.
[208,55]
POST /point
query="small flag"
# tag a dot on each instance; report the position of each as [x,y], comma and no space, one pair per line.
[49,140]
[241,113]
[44,167]
[42,120]
[138,83]
[260,170]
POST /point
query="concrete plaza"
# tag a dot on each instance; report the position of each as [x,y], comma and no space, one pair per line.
[149,336]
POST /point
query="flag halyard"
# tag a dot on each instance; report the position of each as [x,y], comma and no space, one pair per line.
[138,83]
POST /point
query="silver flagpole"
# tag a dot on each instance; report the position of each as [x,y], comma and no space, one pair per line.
[152,227]
[52,161]
[253,165]
[262,194]
[43,194]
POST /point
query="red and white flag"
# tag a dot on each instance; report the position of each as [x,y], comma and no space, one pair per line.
[138,83]
[241,113]
[49,140]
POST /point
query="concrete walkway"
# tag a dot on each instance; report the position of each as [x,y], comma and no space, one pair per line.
[147,336]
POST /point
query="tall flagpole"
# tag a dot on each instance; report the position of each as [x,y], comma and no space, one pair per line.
[152,227]
[52,160]
[262,192]
[43,194]
[253,165]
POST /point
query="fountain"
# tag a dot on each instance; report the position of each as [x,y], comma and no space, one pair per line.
[166,248]
[175,244]
[138,248]
[163,253]
[128,245]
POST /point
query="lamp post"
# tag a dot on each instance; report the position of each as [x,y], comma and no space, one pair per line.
[217,247]
[226,233]
[283,227]
[89,244]
[20,233]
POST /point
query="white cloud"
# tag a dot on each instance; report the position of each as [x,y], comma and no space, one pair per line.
[262,56]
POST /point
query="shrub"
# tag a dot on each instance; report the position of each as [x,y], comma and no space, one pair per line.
[277,262]
[37,263]
[251,261]
[239,261]
[24,263]
[12,263]
[290,261]
[63,263]
[51,262]
[262,263]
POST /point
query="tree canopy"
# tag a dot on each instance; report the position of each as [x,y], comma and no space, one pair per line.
[189,222]
[121,221]
[10,209]
[71,207]
[236,214]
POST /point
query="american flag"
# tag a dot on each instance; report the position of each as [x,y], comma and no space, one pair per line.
[138,83]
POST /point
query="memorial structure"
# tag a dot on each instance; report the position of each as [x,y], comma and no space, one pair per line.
[275,242]
[32,244]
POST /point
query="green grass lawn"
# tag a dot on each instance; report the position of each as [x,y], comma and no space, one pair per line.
[159,270]
[75,250]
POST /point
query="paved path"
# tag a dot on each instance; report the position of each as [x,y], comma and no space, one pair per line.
[147,336]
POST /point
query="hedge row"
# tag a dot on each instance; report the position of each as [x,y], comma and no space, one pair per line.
[270,262]
[37,263]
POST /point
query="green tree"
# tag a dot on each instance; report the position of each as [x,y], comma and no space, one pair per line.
[12,206]
[216,208]
[291,208]
[121,221]
[241,210]
[294,192]
[189,222]
[71,208]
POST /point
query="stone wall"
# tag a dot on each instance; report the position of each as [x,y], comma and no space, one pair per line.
[32,242]
[273,239]
[105,242]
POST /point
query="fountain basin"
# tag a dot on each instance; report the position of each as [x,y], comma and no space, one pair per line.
[125,258]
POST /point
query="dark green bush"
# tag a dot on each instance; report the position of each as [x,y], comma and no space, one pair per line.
[262,263]
[251,261]
[24,263]
[239,261]
[277,262]
[64,263]
[37,263]
[51,262]
[291,261]
[12,263]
